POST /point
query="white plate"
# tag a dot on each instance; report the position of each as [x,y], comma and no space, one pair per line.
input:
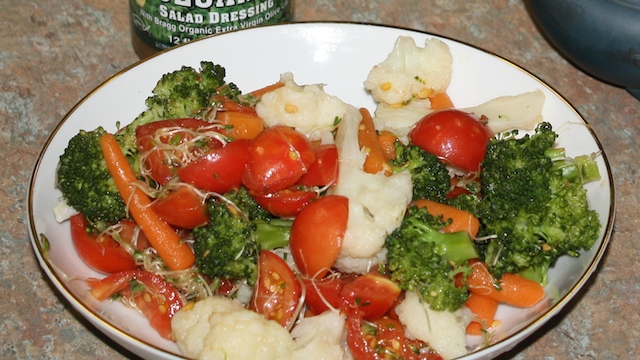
[339,55]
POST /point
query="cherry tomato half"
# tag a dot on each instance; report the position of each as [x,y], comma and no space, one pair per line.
[317,233]
[277,158]
[370,294]
[458,137]
[156,299]
[277,293]
[324,171]
[219,170]
[457,189]
[182,207]
[228,104]
[101,253]
[285,203]
[323,294]
[384,338]
[156,161]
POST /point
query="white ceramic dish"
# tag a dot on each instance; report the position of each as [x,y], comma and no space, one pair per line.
[339,55]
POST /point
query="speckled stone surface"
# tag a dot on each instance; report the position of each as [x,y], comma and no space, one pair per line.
[52,53]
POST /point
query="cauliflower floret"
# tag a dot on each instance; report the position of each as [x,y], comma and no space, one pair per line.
[320,337]
[401,119]
[411,72]
[309,109]
[522,112]
[221,328]
[376,202]
[444,331]
[63,211]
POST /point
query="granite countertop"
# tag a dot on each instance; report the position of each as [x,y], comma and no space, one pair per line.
[52,53]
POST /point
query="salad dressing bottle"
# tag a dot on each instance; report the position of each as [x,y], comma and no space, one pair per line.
[160,24]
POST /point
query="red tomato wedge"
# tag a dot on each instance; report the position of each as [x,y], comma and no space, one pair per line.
[150,129]
[458,137]
[156,161]
[277,293]
[101,253]
[285,203]
[324,171]
[317,233]
[323,294]
[231,105]
[277,158]
[182,207]
[370,294]
[384,338]
[456,189]
[129,232]
[219,170]
[155,298]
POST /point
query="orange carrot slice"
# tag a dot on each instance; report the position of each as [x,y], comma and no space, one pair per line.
[460,220]
[259,92]
[441,101]
[484,308]
[511,289]
[368,139]
[241,125]
[387,141]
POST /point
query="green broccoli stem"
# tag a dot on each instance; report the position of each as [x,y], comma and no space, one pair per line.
[539,274]
[454,247]
[556,154]
[582,168]
[588,167]
[272,234]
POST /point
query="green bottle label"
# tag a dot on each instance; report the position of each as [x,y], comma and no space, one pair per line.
[165,23]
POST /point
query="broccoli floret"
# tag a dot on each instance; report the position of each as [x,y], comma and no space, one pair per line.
[534,207]
[515,172]
[227,247]
[186,92]
[467,202]
[270,232]
[247,205]
[86,183]
[424,260]
[429,175]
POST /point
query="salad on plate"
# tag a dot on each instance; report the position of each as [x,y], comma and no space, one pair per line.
[286,223]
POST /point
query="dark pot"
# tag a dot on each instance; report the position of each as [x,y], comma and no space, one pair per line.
[601,37]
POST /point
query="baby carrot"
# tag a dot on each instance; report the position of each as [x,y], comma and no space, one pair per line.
[259,92]
[511,289]
[368,139]
[441,101]
[460,220]
[484,308]
[176,254]
[387,141]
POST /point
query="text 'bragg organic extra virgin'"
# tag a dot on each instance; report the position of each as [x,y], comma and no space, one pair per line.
[159,24]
